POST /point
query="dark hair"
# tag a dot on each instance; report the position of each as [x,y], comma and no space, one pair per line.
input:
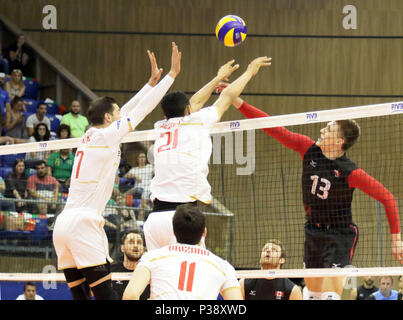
[123,239]
[16,100]
[36,132]
[174,104]
[17,161]
[40,162]
[350,131]
[98,108]
[63,127]
[29,284]
[188,224]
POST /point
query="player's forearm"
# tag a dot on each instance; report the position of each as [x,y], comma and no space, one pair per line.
[133,102]
[151,100]
[294,141]
[372,187]
[198,100]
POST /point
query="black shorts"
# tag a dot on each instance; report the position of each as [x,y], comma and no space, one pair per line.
[329,246]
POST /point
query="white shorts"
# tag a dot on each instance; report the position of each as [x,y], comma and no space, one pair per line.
[79,239]
[158,230]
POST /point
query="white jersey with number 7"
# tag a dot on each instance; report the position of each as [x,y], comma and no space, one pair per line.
[181,154]
[98,154]
[187,272]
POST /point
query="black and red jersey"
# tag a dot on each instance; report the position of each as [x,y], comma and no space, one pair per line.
[328,185]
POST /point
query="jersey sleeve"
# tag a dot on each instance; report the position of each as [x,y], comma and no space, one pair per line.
[115,132]
[294,141]
[231,280]
[133,102]
[209,116]
[363,181]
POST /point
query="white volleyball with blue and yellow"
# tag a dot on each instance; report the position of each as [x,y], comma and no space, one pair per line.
[231,30]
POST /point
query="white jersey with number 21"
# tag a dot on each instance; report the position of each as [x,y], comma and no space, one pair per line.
[181,154]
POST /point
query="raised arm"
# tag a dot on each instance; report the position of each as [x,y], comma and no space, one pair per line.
[235,88]
[363,181]
[199,99]
[152,81]
[294,141]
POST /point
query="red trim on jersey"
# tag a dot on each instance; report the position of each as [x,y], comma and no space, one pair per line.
[363,181]
[294,141]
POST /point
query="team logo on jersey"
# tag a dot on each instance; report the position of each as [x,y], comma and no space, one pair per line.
[118,124]
[313,163]
[252,293]
[279,295]
[336,173]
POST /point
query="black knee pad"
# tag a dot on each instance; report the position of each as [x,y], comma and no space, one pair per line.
[81,291]
[104,289]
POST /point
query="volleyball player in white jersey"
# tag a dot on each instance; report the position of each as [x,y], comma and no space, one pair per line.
[79,238]
[183,148]
[184,271]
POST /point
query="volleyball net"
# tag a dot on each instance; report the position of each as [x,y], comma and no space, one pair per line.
[256,188]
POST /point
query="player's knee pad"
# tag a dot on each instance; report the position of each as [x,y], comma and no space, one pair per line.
[77,283]
[81,292]
[104,291]
[100,282]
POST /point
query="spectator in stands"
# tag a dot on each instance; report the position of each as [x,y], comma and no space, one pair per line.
[4,97]
[41,133]
[143,174]
[60,167]
[272,257]
[38,117]
[132,247]
[63,132]
[29,292]
[400,292]
[126,215]
[77,122]
[385,291]
[15,87]
[4,204]
[4,65]
[42,186]
[15,120]
[16,185]
[365,290]
[19,55]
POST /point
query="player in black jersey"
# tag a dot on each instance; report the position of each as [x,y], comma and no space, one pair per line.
[132,247]
[365,290]
[272,257]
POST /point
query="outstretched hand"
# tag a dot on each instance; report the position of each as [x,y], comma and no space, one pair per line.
[397,248]
[175,61]
[155,71]
[256,64]
[226,70]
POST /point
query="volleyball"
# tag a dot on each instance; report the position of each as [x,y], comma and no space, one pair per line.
[231,30]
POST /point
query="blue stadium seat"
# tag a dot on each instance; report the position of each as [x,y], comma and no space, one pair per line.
[31,89]
[54,122]
[5,171]
[9,159]
[31,105]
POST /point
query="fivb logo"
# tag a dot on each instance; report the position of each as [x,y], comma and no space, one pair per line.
[397,107]
[311,117]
